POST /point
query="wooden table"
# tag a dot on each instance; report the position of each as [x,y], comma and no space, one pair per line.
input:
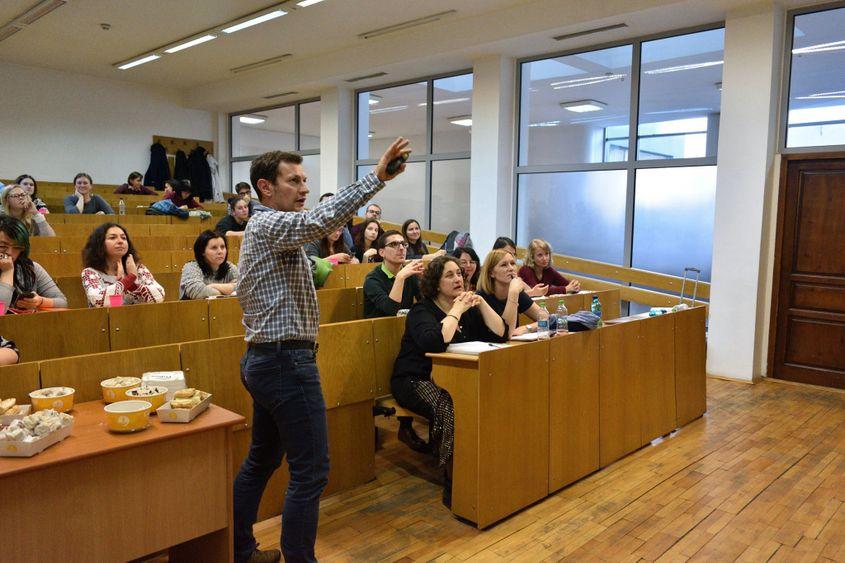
[534,417]
[100,496]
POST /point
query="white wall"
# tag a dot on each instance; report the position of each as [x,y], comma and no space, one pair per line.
[56,124]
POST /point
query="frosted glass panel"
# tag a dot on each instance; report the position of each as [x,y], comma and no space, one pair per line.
[309,126]
[404,196]
[580,213]
[450,195]
[267,130]
[817,81]
[311,166]
[240,173]
[452,113]
[386,114]
[673,219]
[680,95]
[567,102]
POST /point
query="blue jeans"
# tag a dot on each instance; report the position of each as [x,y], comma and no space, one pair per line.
[289,419]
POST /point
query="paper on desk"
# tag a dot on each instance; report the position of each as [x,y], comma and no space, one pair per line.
[527,337]
[472,348]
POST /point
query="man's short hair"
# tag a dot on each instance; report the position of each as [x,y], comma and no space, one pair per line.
[242,186]
[374,205]
[382,240]
[266,167]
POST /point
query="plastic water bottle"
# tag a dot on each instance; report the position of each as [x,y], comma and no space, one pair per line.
[543,323]
[553,324]
[121,207]
[561,313]
[595,307]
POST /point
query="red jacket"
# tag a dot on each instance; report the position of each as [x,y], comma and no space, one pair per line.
[556,282]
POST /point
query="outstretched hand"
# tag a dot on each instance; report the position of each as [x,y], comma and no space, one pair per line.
[395,150]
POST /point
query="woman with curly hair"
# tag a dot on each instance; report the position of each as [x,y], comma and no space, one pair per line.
[24,284]
[113,267]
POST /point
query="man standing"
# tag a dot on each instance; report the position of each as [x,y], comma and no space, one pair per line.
[373,212]
[276,292]
[393,285]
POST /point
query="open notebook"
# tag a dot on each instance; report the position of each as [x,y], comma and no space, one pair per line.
[473,348]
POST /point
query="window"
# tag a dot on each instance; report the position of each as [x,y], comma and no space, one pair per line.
[436,116]
[581,184]
[293,128]
[816,108]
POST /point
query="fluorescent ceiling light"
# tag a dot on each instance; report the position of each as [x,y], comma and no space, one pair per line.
[820,48]
[255,21]
[139,62]
[679,68]
[835,95]
[388,110]
[306,3]
[583,106]
[252,119]
[575,82]
[442,102]
[191,43]
[545,124]
[371,134]
[462,120]
[374,99]
[405,25]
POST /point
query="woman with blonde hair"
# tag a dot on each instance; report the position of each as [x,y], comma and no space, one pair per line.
[18,204]
[539,274]
[505,292]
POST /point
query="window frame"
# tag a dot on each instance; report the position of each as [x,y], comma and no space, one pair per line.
[296,129]
[631,164]
[786,79]
[417,156]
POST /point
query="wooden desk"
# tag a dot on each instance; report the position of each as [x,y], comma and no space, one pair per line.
[99,496]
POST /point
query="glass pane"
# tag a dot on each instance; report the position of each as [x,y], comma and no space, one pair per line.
[579,213]
[263,131]
[680,96]
[673,219]
[311,166]
[404,197]
[450,195]
[309,126]
[568,102]
[452,113]
[240,173]
[386,114]
[817,83]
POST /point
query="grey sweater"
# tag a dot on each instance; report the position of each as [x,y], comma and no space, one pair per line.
[44,286]
[194,284]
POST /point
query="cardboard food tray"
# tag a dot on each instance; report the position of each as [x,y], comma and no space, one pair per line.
[6,419]
[167,414]
[29,449]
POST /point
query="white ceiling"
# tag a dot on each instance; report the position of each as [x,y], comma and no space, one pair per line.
[323,39]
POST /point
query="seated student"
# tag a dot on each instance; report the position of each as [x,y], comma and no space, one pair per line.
[332,248]
[373,212]
[234,223]
[113,267]
[9,353]
[135,186]
[447,314]
[347,234]
[540,276]
[365,250]
[506,243]
[30,186]
[24,284]
[210,273]
[244,191]
[393,285]
[469,262]
[413,234]
[15,202]
[181,194]
[499,285]
[83,201]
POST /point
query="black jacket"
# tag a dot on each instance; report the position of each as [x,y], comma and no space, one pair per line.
[200,174]
[180,168]
[159,170]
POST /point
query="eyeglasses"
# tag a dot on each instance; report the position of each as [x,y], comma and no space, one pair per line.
[5,248]
[396,244]
[374,212]
[19,196]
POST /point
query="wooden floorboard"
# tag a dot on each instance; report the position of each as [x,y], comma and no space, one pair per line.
[760,478]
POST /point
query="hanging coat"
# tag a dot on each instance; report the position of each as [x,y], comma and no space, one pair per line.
[214,168]
[199,174]
[159,170]
[180,168]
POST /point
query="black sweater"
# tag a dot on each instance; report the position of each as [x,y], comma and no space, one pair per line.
[423,335]
[377,301]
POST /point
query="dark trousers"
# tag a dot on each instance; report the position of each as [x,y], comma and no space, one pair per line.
[289,419]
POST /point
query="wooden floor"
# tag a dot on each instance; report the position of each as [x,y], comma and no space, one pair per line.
[760,477]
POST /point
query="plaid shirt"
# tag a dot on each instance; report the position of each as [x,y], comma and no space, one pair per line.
[276,287]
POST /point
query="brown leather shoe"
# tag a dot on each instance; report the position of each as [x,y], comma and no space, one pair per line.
[409,437]
[268,556]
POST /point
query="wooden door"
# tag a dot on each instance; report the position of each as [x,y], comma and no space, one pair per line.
[809,301]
